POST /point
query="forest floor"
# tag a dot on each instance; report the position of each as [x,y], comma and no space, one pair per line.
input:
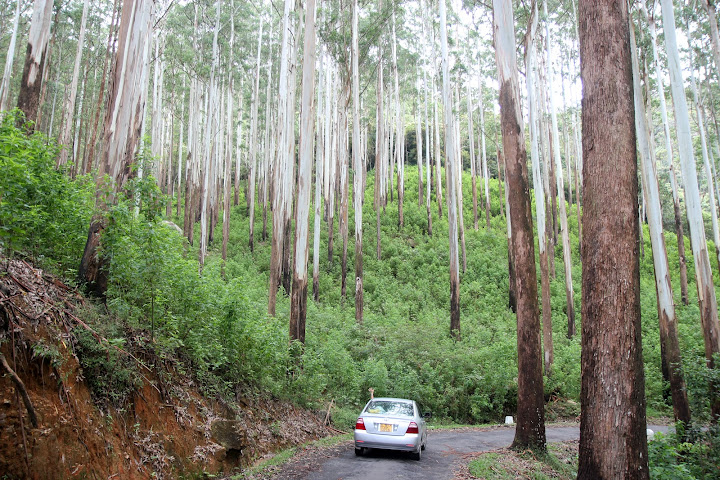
[164,427]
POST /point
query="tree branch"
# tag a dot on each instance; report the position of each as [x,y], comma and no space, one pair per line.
[23,391]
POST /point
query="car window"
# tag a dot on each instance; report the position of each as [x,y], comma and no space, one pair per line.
[389,407]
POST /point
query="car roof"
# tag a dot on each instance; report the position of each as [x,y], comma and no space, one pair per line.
[393,399]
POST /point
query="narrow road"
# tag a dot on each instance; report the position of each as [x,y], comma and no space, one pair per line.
[446,450]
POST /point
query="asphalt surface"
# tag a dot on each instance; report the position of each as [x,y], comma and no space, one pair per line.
[446,450]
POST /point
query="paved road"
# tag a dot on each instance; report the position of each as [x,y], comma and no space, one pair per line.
[445,451]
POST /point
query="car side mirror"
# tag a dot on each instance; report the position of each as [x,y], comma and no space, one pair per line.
[427,415]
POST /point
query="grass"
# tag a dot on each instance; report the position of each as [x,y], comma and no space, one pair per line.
[265,466]
[560,462]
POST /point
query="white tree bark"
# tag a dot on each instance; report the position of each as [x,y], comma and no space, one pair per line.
[565,235]
[712,20]
[252,152]
[298,309]
[450,173]
[703,272]
[208,174]
[358,166]
[9,59]
[121,132]
[70,104]
[486,176]
[663,286]
[38,37]
[706,160]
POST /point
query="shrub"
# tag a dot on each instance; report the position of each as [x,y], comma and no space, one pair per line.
[42,210]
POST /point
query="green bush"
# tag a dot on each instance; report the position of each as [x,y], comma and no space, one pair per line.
[43,212]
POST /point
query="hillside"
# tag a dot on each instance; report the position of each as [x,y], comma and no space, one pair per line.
[133,383]
[106,408]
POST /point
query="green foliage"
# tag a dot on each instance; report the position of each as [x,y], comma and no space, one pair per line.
[42,211]
[697,457]
[111,374]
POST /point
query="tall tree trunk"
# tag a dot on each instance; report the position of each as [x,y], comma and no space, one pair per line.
[227,171]
[252,152]
[428,127]
[666,306]
[66,131]
[483,155]
[344,181]
[35,59]
[379,146]
[703,272]
[298,307]
[613,441]
[473,162]
[90,151]
[709,7]
[565,234]
[671,163]
[180,153]
[458,185]
[706,160]
[209,200]
[530,430]
[358,166]
[450,153]
[9,59]
[320,155]
[121,131]
[285,109]
[330,177]
[540,208]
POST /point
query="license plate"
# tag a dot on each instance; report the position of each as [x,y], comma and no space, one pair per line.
[385,427]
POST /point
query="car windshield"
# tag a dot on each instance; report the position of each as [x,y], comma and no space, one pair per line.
[390,407]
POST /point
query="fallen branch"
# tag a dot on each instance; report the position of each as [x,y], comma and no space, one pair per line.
[23,391]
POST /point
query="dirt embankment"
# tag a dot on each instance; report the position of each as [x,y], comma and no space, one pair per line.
[164,429]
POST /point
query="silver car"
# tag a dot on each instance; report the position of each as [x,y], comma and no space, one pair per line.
[391,423]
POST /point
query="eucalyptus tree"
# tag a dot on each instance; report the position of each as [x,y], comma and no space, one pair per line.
[530,67]
[659,82]
[298,307]
[530,431]
[358,165]
[399,157]
[457,178]
[379,144]
[286,109]
[565,234]
[210,130]
[483,154]
[473,163]
[121,130]
[252,152]
[9,59]
[229,141]
[663,286]
[450,153]
[703,273]
[700,120]
[709,7]
[35,59]
[613,441]
[428,126]
[320,156]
